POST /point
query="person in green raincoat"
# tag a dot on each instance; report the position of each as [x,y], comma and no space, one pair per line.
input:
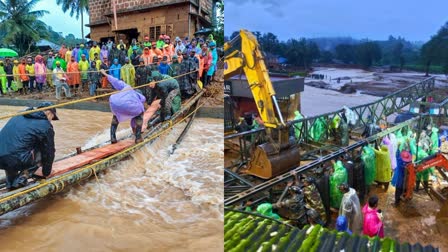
[423,176]
[3,78]
[383,167]
[266,210]
[338,177]
[318,128]
[369,161]
[297,126]
[434,140]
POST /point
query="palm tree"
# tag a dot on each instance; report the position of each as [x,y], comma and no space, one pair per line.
[77,7]
[20,25]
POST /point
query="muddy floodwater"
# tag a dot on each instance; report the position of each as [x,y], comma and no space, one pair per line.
[152,201]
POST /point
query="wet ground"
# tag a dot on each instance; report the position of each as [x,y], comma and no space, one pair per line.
[413,221]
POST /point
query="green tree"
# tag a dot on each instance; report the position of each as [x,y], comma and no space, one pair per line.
[20,24]
[367,53]
[77,7]
[435,51]
[345,52]
[218,32]
[326,57]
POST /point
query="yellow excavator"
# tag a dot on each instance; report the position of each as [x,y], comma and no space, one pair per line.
[277,155]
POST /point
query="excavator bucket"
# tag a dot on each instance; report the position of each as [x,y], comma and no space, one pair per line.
[267,161]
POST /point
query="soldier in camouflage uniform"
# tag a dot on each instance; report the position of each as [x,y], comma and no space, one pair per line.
[166,89]
[155,64]
[296,207]
[175,67]
[312,198]
[143,76]
[187,82]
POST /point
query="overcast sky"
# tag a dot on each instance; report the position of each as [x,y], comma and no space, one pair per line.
[61,22]
[416,20]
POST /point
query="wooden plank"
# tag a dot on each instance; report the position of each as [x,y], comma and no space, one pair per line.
[87,157]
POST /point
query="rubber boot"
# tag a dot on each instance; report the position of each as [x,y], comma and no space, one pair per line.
[417,186]
[113,130]
[138,130]
[426,185]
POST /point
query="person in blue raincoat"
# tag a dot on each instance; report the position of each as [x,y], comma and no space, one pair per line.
[114,69]
[212,68]
[124,106]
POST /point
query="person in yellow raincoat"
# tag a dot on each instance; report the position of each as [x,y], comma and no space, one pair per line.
[127,73]
[15,71]
[383,167]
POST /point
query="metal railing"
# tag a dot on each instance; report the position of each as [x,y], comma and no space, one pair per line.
[366,113]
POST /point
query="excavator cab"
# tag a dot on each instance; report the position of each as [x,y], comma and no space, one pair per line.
[277,155]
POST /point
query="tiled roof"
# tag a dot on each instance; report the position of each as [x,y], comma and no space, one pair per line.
[252,232]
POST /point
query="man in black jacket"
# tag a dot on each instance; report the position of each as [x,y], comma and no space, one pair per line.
[27,142]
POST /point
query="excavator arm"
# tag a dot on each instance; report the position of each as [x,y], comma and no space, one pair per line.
[277,155]
[243,55]
[439,160]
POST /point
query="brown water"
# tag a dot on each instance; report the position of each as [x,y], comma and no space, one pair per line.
[150,202]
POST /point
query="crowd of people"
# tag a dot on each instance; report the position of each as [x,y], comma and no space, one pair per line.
[167,73]
[75,69]
[382,163]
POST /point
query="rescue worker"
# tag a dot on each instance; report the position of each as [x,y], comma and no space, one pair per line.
[167,89]
[351,208]
[312,198]
[403,159]
[266,210]
[342,225]
[60,81]
[27,142]
[383,167]
[17,80]
[313,218]
[296,207]
[174,67]
[142,76]
[8,69]
[164,68]
[124,106]
[127,73]
[94,78]
[187,80]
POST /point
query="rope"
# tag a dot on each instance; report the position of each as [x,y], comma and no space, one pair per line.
[92,166]
[88,98]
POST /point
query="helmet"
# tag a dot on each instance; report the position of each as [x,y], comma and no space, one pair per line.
[310,180]
[295,189]
[313,214]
